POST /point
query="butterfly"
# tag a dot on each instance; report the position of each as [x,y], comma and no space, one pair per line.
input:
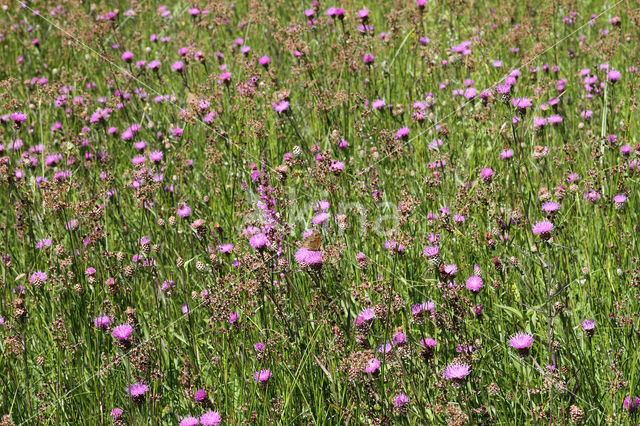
[191,99]
[313,241]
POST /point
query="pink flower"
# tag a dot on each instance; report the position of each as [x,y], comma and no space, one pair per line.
[456,371]
[262,376]
[474,283]
[122,332]
[373,365]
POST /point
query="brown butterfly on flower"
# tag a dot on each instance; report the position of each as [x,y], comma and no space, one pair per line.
[313,241]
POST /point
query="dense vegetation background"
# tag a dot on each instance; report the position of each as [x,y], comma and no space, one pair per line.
[398,212]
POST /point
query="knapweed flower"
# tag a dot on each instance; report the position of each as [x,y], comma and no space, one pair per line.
[189,421]
[521,104]
[137,390]
[225,78]
[550,208]
[474,283]
[589,327]
[200,396]
[210,418]
[400,339]
[378,104]
[432,254]
[385,348]
[264,61]
[614,76]
[400,400]
[320,217]
[456,372]
[38,278]
[521,342]
[486,174]
[116,413]
[506,154]
[419,308]
[631,403]
[262,376]
[450,270]
[373,366]
[281,106]
[619,200]
[103,321]
[122,332]
[259,241]
[366,316]
[625,150]
[543,228]
[592,196]
[184,211]
[127,56]
[403,133]
[308,257]
[225,248]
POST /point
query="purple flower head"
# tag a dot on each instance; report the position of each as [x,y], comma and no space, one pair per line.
[137,390]
[281,107]
[474,283]
[521,104]
[428,342]
[184,211]
[403,133]
[103,321]
[127,56]
[400,339]
[450,270]
[308,257]
[456,371]
[366,316]
[210,418]
[550,208]
[385,348]
[521,342]
[400,400]
[631,403]
[259,241]
[189,421]
[225,248]
[38,277]
[543,228]
[619,200]
[320,218]
[373,365]
[200,395]
[486,174]
[122,332]
[262,376]
[614,76]
[378,104]
[589,327]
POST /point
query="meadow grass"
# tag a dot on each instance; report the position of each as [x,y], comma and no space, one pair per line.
[468,165]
